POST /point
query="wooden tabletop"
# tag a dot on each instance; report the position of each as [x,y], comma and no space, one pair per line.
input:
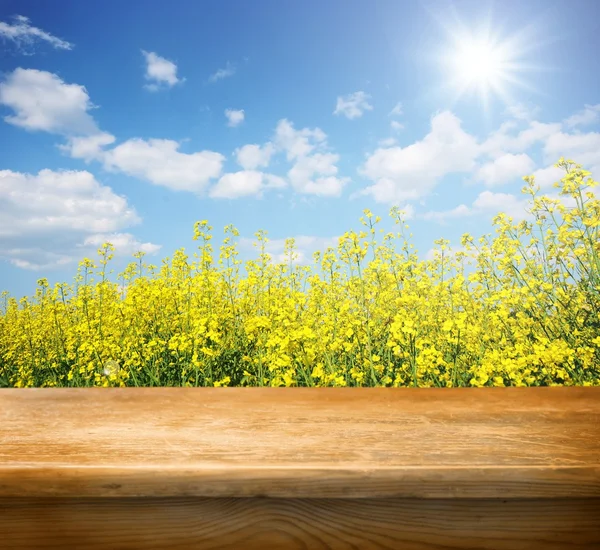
[301,442]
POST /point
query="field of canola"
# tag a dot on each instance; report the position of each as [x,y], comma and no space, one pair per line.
[517,308]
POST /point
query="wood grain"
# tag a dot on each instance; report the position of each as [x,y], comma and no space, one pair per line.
[301,442]
[288,524]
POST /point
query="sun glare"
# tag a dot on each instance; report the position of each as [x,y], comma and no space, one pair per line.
[478,61]
[479,64]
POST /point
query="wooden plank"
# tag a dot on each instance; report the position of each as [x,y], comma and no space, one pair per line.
[287,524]
[301,442]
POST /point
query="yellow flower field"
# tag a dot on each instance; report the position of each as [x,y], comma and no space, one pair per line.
[520,308]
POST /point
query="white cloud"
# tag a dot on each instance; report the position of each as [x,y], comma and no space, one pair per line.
[297,143]
[505,169]
[397,110]
[313,172]
[273,182]
[229,70]
[45,218]
[547,177]
[330,186]
[501,202]
[318,163]
[582,148]
[408,173]
[396,126]
[441,216]
[234,118]
[42,101]
[501,142]
[23,34]
[521,111]
[159,162]
[87,147]
[40,259]
[353,105]
[59,200]
[589,115]
[245,183]
[237,184]
[387,142]
[487,203]
[160,71]
[254,156]
[315,175]
[125,243]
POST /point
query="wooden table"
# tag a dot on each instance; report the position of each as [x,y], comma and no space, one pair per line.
[300,468]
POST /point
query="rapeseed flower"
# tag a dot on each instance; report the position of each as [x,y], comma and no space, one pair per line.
[518,308]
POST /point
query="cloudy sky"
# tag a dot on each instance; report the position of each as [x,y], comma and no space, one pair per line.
[129,121]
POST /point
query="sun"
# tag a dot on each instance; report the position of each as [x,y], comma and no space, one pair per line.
[480,64]
[478,61]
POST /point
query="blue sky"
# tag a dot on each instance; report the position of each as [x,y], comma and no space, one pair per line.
[129,121]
